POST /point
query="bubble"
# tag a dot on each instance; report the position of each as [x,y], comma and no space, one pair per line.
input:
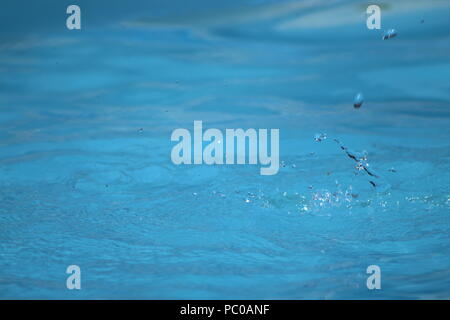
[358,101]
[391,33]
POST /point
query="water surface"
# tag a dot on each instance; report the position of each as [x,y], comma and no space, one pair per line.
[85,170]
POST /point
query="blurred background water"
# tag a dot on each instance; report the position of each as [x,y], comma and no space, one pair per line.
[85,170]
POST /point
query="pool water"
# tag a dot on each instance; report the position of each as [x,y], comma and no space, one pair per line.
[86,176]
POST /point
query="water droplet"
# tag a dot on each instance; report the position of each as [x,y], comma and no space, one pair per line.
[391,33]
[358,101]
[320,137]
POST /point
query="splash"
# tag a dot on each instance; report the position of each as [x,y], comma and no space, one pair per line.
[362,164]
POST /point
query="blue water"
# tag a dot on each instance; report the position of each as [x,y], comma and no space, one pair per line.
[85,171]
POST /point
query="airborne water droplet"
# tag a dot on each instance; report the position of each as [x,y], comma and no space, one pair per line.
[320,136]
[358,101]
[391,33]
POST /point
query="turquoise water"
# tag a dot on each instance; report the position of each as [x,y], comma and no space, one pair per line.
[85,171]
